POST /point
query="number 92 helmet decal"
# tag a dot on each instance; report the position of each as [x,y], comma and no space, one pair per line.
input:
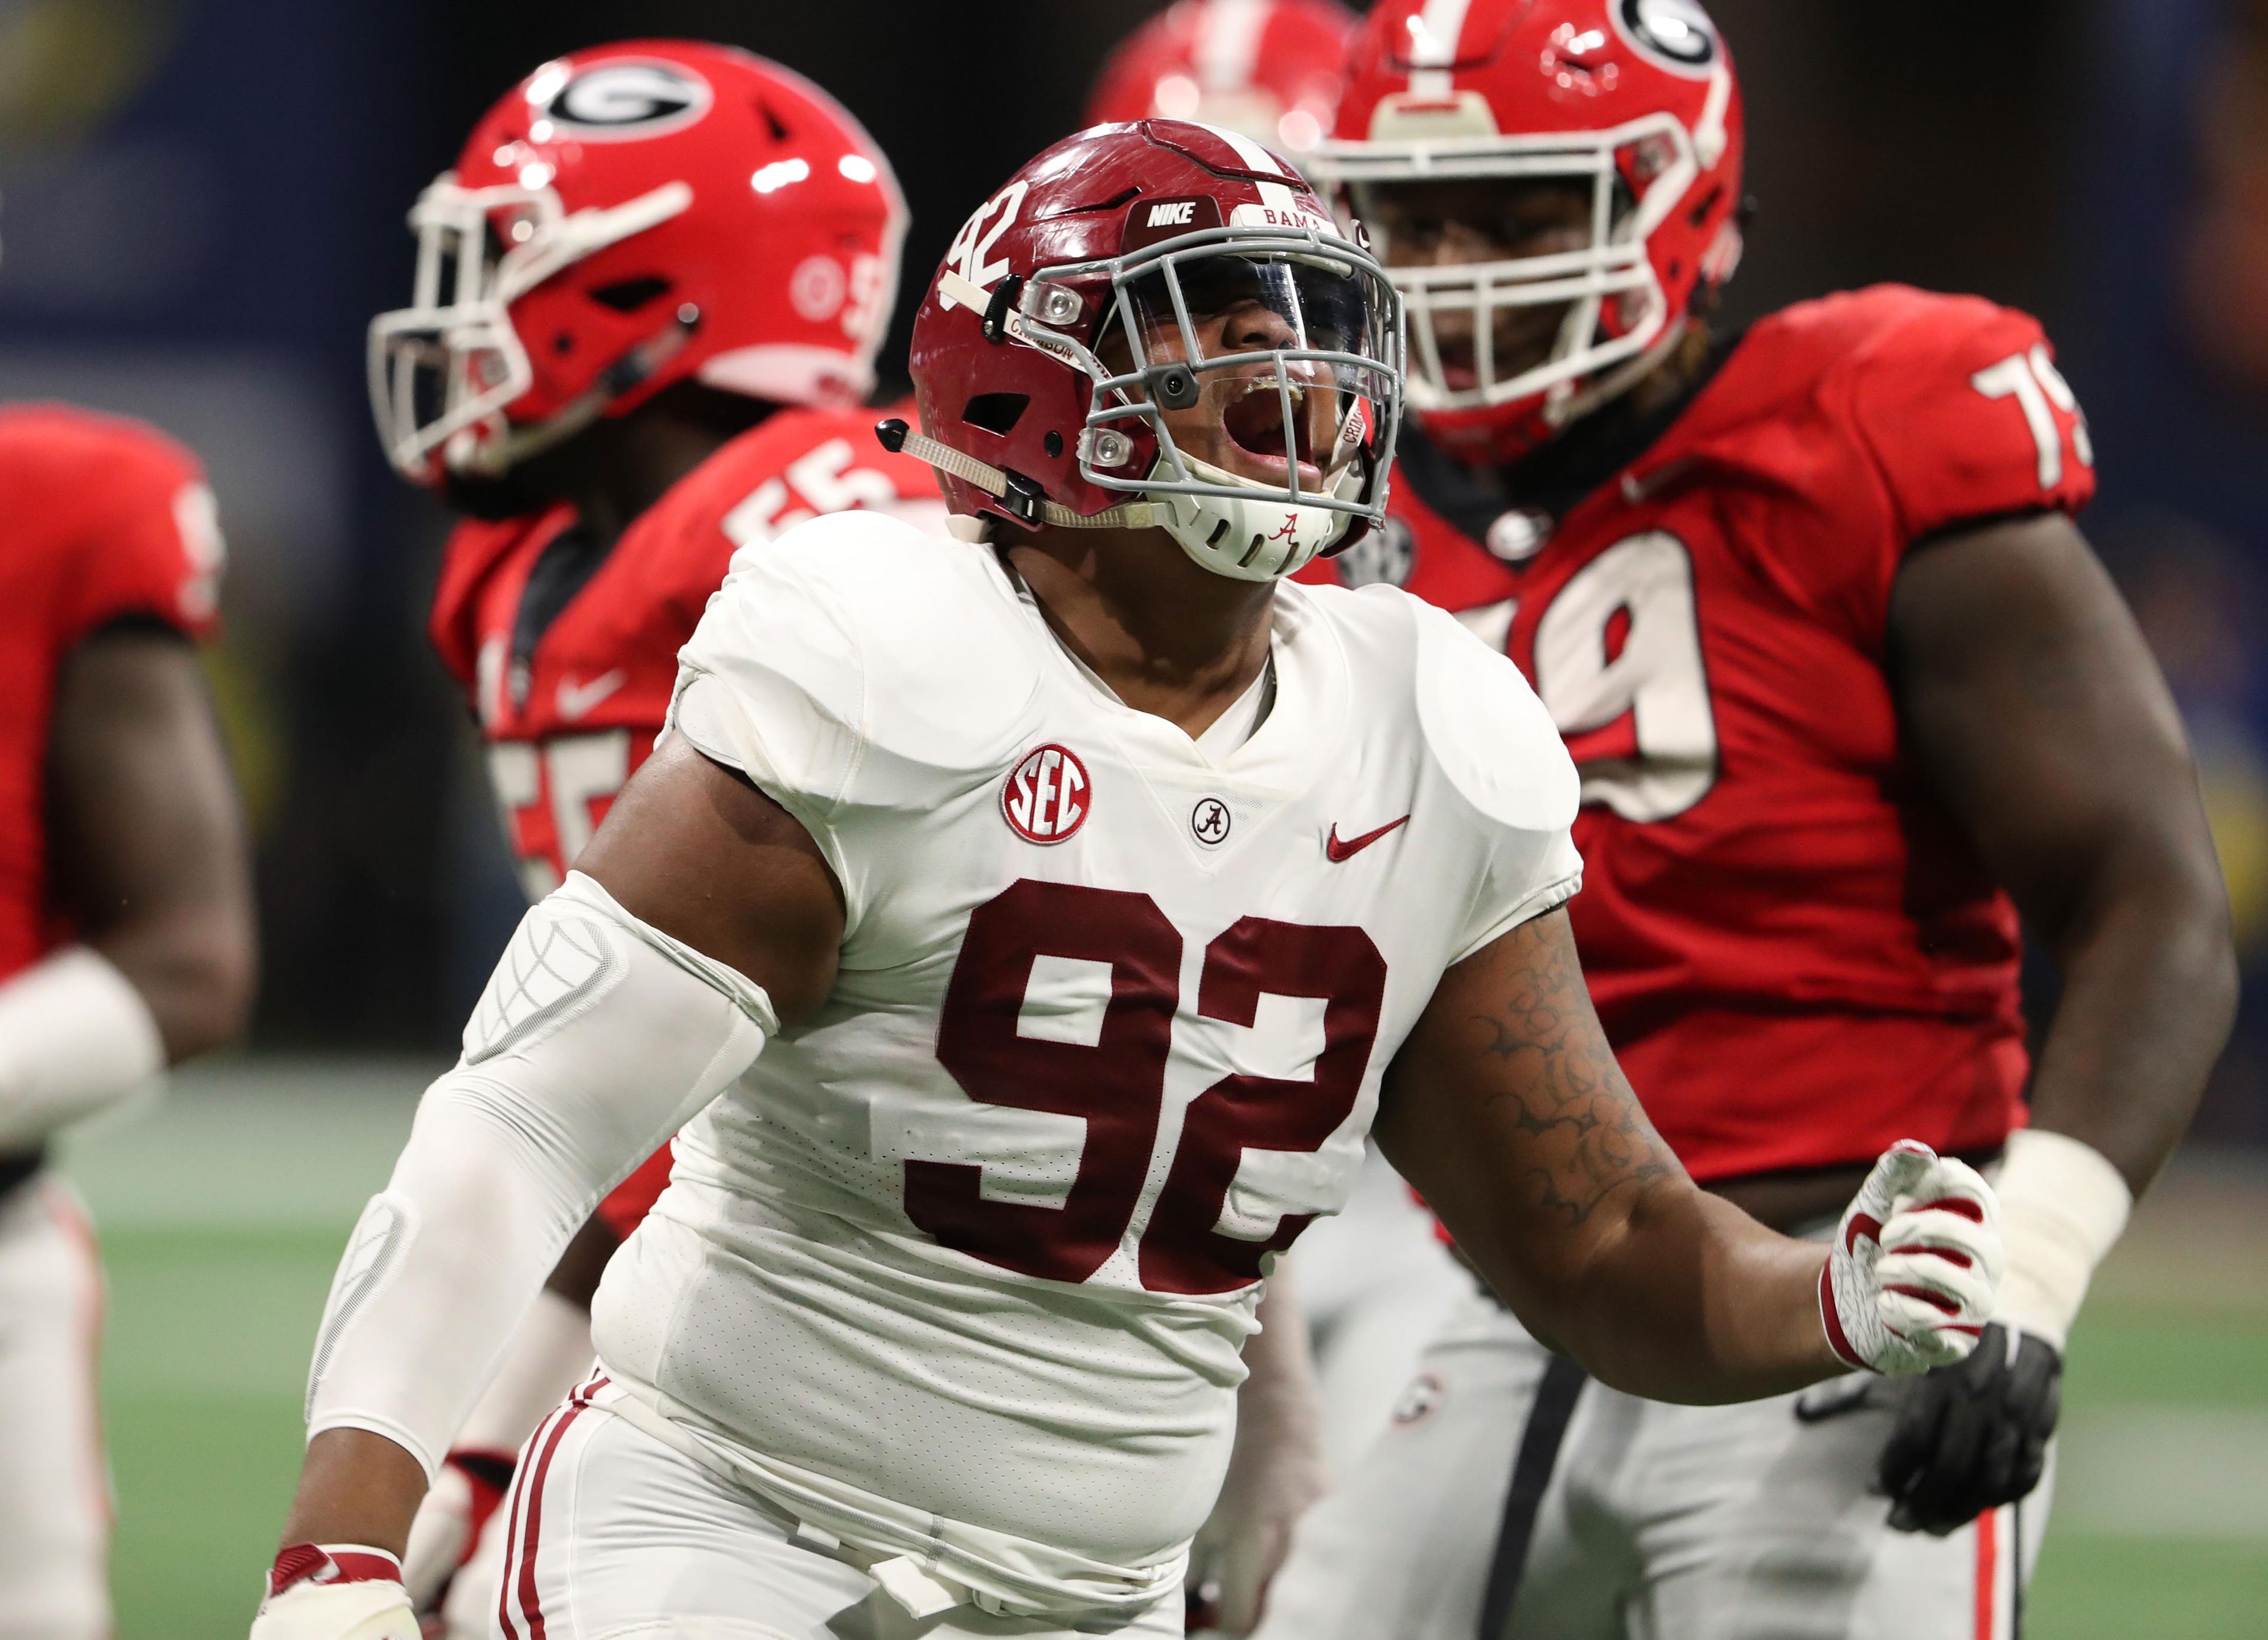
[1555,184]
[629,216]
[1159,324]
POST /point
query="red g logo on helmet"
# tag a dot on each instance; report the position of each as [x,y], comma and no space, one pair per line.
[627,217]
[1048,796]
[622,100]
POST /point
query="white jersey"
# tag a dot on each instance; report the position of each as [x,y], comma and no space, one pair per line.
[966,1262]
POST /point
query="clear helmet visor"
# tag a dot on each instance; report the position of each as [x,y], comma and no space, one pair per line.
[1270,369]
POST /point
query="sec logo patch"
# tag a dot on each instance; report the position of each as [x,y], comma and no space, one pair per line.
[1048,796]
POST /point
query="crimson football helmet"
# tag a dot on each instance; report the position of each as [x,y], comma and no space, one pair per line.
[1065,331]
[1269,69]
[629,216]
[1634,102]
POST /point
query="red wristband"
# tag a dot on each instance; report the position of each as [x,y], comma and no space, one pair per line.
[331,1563]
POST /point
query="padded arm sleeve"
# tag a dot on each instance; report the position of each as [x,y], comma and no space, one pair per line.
[598,1038]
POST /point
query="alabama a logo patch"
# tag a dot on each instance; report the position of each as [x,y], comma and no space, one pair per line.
[1048,796]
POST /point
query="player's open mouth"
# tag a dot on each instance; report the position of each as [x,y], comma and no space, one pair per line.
[1254,422]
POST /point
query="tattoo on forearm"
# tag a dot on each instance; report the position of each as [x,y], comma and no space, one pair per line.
[1590,1138]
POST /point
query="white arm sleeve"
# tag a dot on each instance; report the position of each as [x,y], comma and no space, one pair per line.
[598,1038]
[74,1038]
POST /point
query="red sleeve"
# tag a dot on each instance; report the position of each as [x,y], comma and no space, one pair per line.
[1968,417]
[453,626]
[1930,412]
[150,545]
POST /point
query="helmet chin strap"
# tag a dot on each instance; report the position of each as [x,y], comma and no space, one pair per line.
[492,458]
[1024,500]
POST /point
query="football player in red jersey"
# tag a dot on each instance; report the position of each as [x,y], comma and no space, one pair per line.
[648,299]
[126,923]
[1848,693]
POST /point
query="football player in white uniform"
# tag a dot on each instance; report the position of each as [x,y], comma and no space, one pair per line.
[1087,892]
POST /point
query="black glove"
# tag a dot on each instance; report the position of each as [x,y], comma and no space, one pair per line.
[1972,1435]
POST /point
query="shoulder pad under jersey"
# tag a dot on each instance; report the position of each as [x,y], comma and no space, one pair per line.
[1484,727]
[859,660]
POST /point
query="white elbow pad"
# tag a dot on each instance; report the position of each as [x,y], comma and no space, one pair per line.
[75,1038]
[597,1038]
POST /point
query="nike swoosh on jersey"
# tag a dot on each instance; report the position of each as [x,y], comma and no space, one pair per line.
[580,700]
[1339,851]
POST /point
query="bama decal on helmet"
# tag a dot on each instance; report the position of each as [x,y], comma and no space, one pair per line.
[1677,34]
[623,100]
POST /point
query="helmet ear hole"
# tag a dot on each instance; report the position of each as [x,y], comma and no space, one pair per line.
[996,412]
[773,123]
[626,296]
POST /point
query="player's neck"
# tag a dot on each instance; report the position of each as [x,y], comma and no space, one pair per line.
[624,476]
[1168,636]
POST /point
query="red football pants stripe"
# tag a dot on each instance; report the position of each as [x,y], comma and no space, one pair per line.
[1988,1569]
[542,1446]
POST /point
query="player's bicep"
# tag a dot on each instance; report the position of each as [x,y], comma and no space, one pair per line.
[2034,707]
[694,849]
[1506,1109]
[150,849]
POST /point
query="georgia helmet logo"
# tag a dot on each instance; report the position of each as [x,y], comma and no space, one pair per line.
[623,100]
[1048,795]
[1676,35]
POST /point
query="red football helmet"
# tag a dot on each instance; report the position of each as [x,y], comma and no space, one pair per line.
[1065,331]
[1634,101]
[628,216]
[1269,69]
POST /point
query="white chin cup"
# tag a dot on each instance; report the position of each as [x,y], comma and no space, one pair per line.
[1261,537]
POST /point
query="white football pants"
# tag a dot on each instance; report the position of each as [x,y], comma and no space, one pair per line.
[1375,1285]
[55,1485]
[1515,1499]
[614,1535]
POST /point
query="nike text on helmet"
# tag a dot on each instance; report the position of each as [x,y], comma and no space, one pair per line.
[1634,102]
[626,217]
[1063,335]
[1267,68]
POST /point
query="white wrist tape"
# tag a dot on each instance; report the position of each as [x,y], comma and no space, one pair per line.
[74,1038]
[2063,1206]
[597,1039]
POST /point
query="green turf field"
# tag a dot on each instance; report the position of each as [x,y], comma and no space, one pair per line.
[223,1211]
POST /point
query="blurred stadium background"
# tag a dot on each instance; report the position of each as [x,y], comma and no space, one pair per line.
[201,204]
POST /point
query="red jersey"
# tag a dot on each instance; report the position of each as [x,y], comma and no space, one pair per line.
[568,652]
[101,519]
[1796,951]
